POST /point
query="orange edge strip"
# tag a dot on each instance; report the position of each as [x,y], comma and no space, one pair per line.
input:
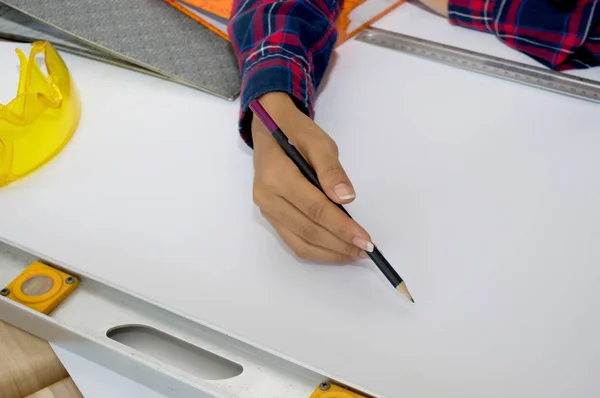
[342,37]
[195,17]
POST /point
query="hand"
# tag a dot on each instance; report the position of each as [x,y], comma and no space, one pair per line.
[312,226]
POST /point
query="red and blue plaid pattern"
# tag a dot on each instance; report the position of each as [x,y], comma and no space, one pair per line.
[559,40]
[285,45]
[282,46]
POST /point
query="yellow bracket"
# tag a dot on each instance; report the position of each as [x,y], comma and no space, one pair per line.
[41,287]
[330,390]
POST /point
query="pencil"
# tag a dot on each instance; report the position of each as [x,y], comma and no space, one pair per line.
[380,261]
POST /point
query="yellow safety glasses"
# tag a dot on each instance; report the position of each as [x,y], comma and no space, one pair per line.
[40,121]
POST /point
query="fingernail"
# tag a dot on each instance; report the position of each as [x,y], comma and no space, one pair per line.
[344,192]
[364,255]
[363,244]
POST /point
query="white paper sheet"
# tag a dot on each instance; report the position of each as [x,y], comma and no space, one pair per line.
[482,193]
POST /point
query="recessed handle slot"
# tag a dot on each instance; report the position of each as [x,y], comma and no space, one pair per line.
[175,352]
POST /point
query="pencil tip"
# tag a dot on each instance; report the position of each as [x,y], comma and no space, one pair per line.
[402,289]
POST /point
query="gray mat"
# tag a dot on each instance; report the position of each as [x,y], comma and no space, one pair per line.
[149,34]
[17,26]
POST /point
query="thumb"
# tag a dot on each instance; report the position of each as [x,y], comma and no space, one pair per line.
[323,155]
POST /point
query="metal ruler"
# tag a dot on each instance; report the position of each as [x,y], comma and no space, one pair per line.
[486,64]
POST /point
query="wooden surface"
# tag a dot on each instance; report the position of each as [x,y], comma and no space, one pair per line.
[28,365]
[64,388]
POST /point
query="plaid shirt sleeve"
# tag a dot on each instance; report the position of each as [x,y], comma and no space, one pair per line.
[560,40]
[282,46]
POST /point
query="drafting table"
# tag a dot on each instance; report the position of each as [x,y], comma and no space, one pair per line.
[484,198]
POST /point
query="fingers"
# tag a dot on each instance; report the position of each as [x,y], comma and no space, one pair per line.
[305,228]
[304,249]
[312,203]
[313,143]
[307,220]
[277,179]
[322,153]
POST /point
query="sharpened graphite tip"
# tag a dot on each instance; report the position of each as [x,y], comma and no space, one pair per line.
[402,289]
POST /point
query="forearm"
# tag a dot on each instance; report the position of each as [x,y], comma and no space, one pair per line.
[439,6]
[561,34]
[282,47]
[539,28]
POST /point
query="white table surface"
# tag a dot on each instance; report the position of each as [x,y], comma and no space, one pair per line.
[485,200]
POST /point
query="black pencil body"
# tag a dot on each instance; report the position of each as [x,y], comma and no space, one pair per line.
[311,175]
